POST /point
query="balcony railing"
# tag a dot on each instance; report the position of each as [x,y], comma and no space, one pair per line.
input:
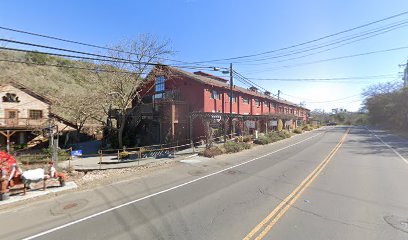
[22,122]
[170,95]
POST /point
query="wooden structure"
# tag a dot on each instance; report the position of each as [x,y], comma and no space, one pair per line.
[24,114]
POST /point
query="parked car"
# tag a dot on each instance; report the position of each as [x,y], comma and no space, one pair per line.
[331,124]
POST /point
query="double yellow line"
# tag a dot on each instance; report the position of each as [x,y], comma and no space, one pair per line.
[269,221]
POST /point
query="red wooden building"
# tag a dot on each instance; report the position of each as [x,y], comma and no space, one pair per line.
[178,105]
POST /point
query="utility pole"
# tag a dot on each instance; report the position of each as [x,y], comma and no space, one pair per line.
[406,75]
[231,97]
[53,145]
[279,92]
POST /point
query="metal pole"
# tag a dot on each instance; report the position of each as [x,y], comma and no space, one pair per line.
[191,133]
[231,93]
[406,75]
[8,141]
[56,148]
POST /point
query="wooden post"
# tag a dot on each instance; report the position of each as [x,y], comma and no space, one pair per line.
[8,135]
[139,157]
[100,159]
[70,158]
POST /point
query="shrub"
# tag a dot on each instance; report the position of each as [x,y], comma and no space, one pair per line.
[285,134]
[297,130]
[307,127]
[212,152]
[245,145]
[262,140]
[232,147]
[280,125]
[36,57]
[123,155]
[274,137]
[239,139]
[247,138]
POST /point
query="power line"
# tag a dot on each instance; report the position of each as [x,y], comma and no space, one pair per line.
[327,101]
[307,42]
[121,60]
[76,42]
[118,60]
[331,59]
[323,79]
[319,46]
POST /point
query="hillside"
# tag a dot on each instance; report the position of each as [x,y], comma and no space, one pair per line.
[57,83]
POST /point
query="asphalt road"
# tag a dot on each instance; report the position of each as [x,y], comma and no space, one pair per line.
[332,183]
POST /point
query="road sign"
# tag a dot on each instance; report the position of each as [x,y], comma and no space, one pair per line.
[76,153]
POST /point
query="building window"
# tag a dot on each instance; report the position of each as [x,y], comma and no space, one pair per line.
[35,114]
[11,97]
[159,87]
[160,84]
[257,102]
[215,94]
[245,100]
[266,104]
[234,98]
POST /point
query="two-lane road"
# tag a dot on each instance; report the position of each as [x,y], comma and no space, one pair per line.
[334,183]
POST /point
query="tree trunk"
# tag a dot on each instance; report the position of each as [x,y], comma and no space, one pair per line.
[120,130]
[78,135]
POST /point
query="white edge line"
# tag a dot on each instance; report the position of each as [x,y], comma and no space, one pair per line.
[163,191]
[390,147]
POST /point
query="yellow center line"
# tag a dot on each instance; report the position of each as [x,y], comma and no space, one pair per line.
[280,210]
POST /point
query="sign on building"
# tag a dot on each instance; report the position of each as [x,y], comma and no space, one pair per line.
[273,123]
[250,124]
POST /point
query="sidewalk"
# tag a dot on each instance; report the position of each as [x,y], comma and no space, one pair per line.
[112,162]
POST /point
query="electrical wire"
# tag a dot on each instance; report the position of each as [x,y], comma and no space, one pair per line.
[76,42]
[327,101]
[324,79]
[329,59]
[101,57]
[248,62]
[307,42]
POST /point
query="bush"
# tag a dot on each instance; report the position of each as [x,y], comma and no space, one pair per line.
[280,125]
[239,139]
[36,57]
[245,145]
[285,134]
[211,152]
[297,130]
[307,127]
[247,138]
[262,140]
[274,137]
[232,147]
[123,155]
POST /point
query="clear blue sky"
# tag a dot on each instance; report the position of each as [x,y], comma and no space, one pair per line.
[204,30]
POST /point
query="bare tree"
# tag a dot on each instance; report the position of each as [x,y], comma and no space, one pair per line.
[80,108]
[121,88]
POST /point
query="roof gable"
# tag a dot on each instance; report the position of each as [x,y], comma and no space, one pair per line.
[28,91]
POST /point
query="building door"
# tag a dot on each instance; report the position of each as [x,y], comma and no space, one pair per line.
[11,117]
